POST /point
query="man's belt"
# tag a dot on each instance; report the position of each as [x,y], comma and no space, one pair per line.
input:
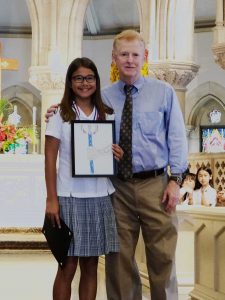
[149,174]
[146,174]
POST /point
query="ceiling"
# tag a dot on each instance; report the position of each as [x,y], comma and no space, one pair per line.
[102,16]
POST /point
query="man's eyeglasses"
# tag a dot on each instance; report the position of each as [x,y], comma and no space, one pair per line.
[80,78]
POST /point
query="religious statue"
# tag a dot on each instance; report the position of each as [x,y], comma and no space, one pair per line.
[14,118]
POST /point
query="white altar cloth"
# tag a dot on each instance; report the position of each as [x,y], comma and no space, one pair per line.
[22,190]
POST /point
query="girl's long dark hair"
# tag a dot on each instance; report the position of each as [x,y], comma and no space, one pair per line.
[197,183]
[66,110]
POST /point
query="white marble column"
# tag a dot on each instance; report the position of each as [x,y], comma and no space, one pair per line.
[168,28]
[51,86]
[57,34]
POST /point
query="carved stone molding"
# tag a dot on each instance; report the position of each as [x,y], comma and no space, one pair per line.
[189,129]
[44,79]
[179,75]
[219,54]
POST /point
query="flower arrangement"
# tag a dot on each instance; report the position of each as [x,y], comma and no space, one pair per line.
[114,73]
[11,136]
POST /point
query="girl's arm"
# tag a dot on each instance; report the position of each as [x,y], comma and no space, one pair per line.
[52,204]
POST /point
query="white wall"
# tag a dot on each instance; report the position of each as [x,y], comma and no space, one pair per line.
[100,51]
[203,56]
[20,49]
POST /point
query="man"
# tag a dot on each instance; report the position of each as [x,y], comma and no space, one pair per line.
[145,199]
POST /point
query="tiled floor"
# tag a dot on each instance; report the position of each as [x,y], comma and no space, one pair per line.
[29,274]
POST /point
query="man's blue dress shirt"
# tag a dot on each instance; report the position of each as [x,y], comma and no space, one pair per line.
[159,136]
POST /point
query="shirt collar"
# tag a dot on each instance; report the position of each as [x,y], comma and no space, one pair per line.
[137,84]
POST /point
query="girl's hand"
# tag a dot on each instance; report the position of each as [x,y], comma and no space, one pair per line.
[190,201]
[204,202]
[117,151]
[52,211]
[203,189]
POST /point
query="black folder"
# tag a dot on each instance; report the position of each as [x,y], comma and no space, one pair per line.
[58,239]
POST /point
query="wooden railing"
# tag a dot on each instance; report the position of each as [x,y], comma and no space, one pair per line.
[215,161]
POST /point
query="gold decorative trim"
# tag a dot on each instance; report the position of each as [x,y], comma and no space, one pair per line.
[20,230]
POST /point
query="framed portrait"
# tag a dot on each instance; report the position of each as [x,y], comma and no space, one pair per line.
[91,143]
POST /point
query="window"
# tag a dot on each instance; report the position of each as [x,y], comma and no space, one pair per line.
[212,139]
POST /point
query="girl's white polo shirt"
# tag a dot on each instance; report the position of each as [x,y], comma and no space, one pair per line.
[210,196]
[67,186]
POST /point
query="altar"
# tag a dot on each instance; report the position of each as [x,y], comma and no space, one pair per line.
[22,191]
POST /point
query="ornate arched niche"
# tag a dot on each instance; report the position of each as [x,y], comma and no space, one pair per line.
[200,113]
[24,99]
[200,102]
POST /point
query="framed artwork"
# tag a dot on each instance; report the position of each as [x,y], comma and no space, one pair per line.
[212,139]
[91,143]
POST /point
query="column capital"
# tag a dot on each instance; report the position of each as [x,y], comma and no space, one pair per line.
[44,79]
[219,54]
[179,75]
[189,129]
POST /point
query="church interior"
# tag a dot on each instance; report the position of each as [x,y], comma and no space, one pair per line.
[185,46]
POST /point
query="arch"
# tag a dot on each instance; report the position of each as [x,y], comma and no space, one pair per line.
[143,10]
[32,9]
[202,108]
[76,28]
[203,98]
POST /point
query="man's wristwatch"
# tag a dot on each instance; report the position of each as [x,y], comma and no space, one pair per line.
[178,178]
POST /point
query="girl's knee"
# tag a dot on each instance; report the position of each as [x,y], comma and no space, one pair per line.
[69,268]
[88,264]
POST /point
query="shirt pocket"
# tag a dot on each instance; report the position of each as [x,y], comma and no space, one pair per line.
[150,123]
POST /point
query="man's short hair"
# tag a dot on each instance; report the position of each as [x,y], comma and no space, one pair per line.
[128,35]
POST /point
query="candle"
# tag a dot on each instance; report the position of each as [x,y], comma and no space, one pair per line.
[34,115]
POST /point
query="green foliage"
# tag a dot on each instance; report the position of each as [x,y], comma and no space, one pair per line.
[5,108]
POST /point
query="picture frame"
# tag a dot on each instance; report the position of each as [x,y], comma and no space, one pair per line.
[91,148]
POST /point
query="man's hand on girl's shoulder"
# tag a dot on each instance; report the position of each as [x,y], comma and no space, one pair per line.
[50,111]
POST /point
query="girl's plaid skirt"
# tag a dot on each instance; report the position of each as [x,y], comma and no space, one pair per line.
[92,222]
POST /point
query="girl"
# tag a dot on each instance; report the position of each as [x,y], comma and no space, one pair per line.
[204,194]
[83,203]
[187,188]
